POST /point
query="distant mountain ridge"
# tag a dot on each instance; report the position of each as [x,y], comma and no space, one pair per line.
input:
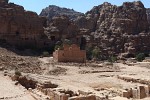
[53,11]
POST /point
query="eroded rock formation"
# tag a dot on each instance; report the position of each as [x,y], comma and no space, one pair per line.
[60,28]
[54,11]
[20,27]
[114,29]
[117,29]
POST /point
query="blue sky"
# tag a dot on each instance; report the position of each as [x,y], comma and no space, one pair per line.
[78,5]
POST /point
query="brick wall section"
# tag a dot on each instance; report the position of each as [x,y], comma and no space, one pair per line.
[70,54]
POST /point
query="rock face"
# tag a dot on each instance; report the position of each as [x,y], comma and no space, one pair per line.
[60,28]
[117,29]
[20,27]
[148,14]
[114,29]
[53,11]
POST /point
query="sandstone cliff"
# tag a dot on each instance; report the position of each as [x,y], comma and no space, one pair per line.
[61,28]
[117,29]
[148,14]
[114,29]
[20,27]
[53,11]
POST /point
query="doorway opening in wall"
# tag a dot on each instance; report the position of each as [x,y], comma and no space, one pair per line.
[83,43]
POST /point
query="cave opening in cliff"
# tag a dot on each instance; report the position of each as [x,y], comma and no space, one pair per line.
[17,32]
[53,38]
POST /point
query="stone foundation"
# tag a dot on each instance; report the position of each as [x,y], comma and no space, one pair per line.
[138,92]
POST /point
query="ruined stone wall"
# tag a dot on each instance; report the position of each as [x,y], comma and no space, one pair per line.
[139,92]
[70,54]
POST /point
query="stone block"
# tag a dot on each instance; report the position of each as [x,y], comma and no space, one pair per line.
[142,92]
[134,93]
[125,94]
[64,97]
[90,97]
[147,91]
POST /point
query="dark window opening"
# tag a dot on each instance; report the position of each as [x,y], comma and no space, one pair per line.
[53,38]
[77,39]
[26,38]
[17,33]
[83,43]
[130,56]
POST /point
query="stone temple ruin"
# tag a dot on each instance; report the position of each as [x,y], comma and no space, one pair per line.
[70,54]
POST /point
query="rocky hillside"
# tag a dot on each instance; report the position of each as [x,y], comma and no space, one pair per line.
[117,29]
[114,29]
[12,61]
[53,11]
[19,27]
[148,13]
[60,28]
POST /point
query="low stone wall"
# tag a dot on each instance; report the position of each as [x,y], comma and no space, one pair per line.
[55,93]
[139,92]
[60,94]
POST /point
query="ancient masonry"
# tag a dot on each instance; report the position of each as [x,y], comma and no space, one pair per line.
[56,93]
[50,89]
[70,54]
[138,92]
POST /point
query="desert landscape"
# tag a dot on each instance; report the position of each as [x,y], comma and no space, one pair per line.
[102,80]
[62,54]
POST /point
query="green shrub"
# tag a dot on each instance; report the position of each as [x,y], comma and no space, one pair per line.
[140,57]
[18,73]
[45,54]
[67,41]
[58,46]
[96,53]
[112,59]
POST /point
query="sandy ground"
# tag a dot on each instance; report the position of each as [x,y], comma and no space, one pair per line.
[101,81]
[91,79]
[9,91]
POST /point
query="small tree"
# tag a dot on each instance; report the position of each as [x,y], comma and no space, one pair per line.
[140,57]
[112,59]
[18,73]
[67,41]
[96,53]
[58,47]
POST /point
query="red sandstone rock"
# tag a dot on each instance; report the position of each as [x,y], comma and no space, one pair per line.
[20,27]
[116,26]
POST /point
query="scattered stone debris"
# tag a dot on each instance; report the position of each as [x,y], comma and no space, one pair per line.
[12,61]
[57,71]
